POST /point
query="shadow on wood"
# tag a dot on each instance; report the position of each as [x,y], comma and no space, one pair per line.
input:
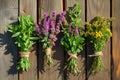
[10,48]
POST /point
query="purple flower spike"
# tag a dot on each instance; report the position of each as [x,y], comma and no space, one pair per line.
[63,13]
[46,24]
[70,25]
[53,44]
[36,25]
[38,29]
[45,15]
[52,29]
[54,14]
[76,30]
[51,36]
[62,16]
[55,39]
[58,24]
[57,31]
[52,23]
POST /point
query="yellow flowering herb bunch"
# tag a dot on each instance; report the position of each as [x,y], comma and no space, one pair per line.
[98,33]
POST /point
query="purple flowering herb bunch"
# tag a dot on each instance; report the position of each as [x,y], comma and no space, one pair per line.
[47,32]
[49,29]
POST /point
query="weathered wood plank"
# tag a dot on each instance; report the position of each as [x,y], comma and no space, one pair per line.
[49,6]
[99,8]
[29,7]
[81,60]
[55,72]
[8,50]
[116,40]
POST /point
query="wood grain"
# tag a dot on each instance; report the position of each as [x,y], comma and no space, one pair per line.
[9,54]
[29,7]
[8,50]
[81,60]
[99,8]
[55,72]
[49,6]
[116,40]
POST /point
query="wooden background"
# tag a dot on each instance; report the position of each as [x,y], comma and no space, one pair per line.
[11,9]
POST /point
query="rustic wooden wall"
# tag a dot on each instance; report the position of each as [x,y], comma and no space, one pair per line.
[11,9]
[8,50]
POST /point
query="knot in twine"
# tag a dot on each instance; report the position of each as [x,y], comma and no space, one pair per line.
[97,54]
[72,55]
[24,54]
[49,51]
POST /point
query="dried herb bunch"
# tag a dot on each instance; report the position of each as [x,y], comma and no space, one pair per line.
[98,33]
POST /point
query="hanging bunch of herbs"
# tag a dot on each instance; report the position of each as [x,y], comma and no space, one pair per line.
[23,33]
[98,33]
[47,33]
[72,39]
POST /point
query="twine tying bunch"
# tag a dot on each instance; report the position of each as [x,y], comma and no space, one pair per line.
[97,54]
[24,54]
[72,55]
[49,51]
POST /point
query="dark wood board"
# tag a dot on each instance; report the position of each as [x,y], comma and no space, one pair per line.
[99,8]
[29,7]
[8,50]
[116,40]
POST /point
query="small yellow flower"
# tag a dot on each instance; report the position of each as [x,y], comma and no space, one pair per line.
[108,30]
[98,34]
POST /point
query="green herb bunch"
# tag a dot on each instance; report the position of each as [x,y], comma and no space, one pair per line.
[98,33]
[73,37]
[23,33]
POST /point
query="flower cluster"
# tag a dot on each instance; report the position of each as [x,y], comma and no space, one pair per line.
[49,29]
[98,33]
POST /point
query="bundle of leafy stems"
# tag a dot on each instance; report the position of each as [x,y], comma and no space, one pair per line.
[72,39]
[47,33]
[98,33]
[23,33]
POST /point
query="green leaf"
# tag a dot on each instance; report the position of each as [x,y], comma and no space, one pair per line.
[34,38]
[16,34]
[78,21]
